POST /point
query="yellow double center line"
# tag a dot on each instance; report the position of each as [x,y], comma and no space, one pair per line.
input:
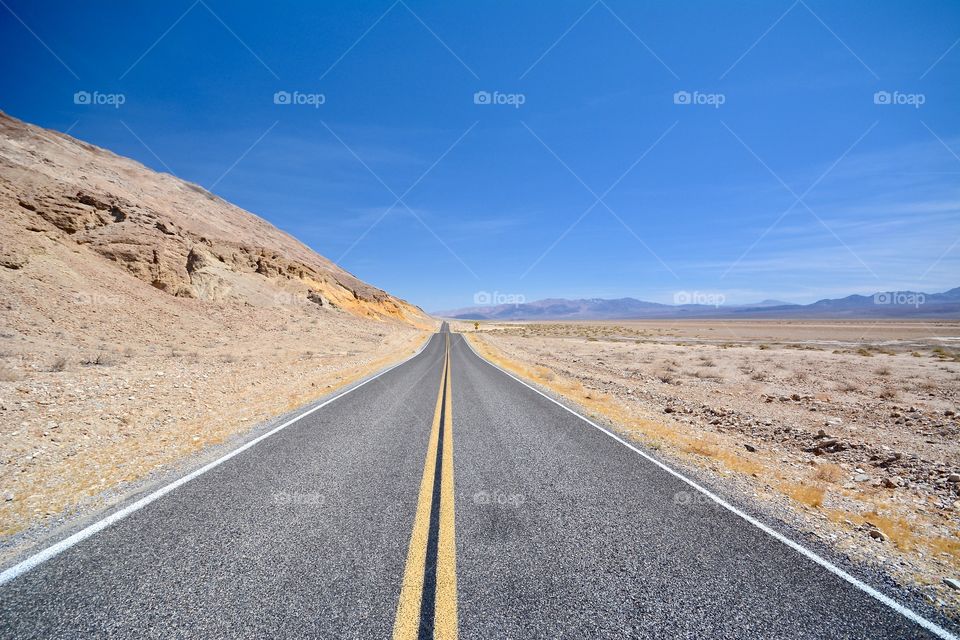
[428,597]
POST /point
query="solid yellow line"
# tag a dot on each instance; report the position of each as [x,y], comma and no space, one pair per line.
[407,624]
[445,616]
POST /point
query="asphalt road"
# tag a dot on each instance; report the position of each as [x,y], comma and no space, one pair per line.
[442,497]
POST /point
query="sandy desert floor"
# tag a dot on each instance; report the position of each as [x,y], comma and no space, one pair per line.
[93,416]
[848,431]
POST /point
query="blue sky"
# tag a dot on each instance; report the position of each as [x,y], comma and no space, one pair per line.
[777,175]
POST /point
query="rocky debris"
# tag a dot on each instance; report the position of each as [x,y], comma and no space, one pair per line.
[953,584]
[12,259]
[318,298]
[892,482]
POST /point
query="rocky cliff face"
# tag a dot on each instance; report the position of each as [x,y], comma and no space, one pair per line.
[173,235]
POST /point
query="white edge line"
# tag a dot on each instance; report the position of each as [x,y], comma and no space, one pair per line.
[826,564]
[55,549]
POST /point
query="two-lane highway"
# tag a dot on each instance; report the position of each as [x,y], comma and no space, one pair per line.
[441,498]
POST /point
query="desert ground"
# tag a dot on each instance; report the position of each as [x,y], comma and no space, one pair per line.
[81,417]
[144,320]
[848,431]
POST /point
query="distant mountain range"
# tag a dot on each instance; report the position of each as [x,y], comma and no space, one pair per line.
[885,304]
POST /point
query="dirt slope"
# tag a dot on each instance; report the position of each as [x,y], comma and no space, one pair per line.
[164,231]
[143,319]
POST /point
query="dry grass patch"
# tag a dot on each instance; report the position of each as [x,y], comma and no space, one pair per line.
[828,472]
[888,393]
[896,529]
[945,546]
[702,448]
[810,495]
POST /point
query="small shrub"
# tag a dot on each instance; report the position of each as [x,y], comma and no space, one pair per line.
[707,375]
[829,472]
[810,495]
[897,530]
[703,448]
[102,359]
[59,364]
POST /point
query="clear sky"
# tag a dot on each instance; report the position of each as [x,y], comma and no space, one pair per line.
[780,173]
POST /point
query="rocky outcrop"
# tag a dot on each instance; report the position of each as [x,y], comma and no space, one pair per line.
[173,235]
